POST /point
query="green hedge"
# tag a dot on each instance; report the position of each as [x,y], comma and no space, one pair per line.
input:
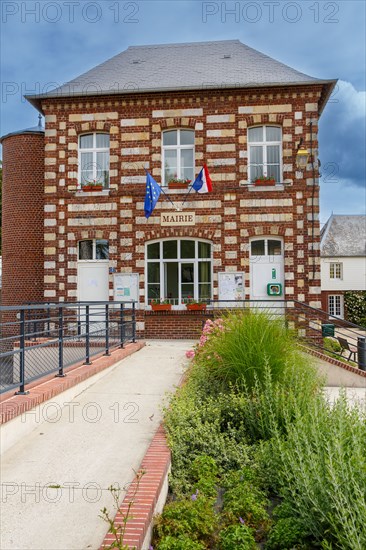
[355,305]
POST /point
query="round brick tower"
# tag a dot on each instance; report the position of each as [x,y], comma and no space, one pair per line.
[22,216]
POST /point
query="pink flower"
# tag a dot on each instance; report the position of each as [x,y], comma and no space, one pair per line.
[190,354]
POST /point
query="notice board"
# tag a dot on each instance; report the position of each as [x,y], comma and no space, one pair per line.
[231,287]
[126,287]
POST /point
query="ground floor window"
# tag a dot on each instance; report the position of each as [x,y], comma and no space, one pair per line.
[178,269]
[335,305]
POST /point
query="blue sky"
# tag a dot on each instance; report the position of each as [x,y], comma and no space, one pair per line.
[46,43]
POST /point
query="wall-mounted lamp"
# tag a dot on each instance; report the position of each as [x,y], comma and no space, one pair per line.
[302,156]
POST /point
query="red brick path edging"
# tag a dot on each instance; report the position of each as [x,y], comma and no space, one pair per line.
[48,387]
[156,465]
[333,361]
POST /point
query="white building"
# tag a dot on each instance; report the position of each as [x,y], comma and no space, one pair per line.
[343,260]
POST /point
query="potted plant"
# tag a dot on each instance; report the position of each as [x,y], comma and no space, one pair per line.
[160,305]
[195,305]
[177,183]
[264,180]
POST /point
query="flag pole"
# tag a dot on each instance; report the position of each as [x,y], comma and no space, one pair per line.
[186,197]
[167,196]
[169,199]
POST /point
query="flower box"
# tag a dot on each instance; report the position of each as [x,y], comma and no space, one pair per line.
[196,307]
[161,307]
[176,185]
[88,188]
[260,182]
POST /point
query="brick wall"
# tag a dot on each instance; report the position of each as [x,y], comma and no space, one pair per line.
[173,324]
[228,217]
[22,219]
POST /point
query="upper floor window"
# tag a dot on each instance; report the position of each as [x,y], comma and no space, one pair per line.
[94,159]
[97,249]
[335,270]
[265,151]
[178,155]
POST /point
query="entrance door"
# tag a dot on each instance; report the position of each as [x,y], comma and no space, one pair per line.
[267,268]
[93,286]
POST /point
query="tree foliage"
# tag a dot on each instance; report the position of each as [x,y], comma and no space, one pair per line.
[355,303]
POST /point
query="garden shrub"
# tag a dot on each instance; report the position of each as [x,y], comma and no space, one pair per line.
[180,542]
[200,426]
[271,406]
[193,517]
[244,498]
[320,470]
[237,537]
[287,534]
[247,503]
[236,352]
[261,427]
[203,474]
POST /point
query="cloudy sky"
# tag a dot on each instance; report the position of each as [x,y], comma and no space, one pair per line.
[46,43]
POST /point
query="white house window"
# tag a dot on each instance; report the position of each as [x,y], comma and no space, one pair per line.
[265,152]
[335,305]
[178,155]
[335,270]
[94,159]
[177,270]
[97,249]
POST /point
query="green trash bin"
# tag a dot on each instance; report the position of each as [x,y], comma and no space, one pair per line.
[327,330]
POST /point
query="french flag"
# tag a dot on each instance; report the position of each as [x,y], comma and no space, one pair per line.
[203,183]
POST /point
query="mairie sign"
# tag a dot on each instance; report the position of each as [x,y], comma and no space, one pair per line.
[177,218]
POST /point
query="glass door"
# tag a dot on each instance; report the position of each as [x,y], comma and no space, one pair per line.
[187,278]
[171,289]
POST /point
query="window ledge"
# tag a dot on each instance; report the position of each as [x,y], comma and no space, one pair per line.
[104,193]
[277,187]
[175,191]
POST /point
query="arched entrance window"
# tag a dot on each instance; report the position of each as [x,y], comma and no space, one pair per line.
[178,269]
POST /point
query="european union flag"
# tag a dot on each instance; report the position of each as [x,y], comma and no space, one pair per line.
[153,191]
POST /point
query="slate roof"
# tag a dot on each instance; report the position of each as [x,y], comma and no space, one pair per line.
[344,236]
[187,66]
[39,129]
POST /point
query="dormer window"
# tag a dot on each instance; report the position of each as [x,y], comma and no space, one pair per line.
[94,159]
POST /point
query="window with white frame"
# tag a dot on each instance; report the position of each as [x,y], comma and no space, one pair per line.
[94,159]
[96,249]
[178,270]
[178,155]
[265,152]
[335,305]
[336,270]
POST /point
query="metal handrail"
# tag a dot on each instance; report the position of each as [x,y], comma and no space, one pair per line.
[42,338]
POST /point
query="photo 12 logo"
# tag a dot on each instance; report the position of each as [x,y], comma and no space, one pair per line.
[269,12]
[51,492]
[70,11]
[11,89]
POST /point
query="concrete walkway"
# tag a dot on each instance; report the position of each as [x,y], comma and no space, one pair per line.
[55,481]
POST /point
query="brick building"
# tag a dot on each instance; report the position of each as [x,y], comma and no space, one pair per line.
[168,109]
